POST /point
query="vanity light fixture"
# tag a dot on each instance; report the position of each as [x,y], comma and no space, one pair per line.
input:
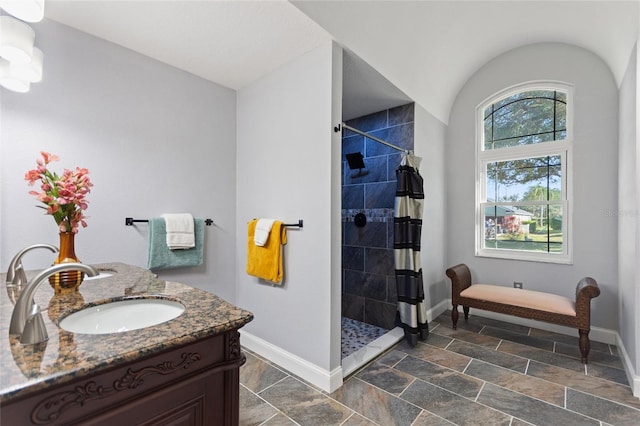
[10,80]
[16,40]
[30,71]
[20,61]
[26,10]
[18,76]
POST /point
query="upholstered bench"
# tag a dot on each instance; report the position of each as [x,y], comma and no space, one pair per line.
[529,304]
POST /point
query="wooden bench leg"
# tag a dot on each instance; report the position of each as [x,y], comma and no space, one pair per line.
[454,316]
[585,345]
[466,313]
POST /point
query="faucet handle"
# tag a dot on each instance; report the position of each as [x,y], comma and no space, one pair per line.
[19,278]
[24,310]
[15,273]
[34,329]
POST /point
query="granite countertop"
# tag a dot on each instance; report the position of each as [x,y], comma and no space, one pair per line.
[65,356]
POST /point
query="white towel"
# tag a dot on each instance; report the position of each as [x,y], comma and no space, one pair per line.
[180,233]
[263,228]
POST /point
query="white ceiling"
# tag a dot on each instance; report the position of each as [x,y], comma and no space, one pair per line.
[232,43]
[365,90]
[428,49]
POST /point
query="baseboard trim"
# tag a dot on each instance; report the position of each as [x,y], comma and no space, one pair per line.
[632,377]
[326,380]
[437,310]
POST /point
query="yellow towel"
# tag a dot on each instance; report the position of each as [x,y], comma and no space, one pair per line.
[266,261]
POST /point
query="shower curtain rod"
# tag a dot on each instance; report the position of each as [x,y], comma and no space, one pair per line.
[360,132]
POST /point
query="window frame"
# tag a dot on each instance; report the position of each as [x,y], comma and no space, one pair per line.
[562,148]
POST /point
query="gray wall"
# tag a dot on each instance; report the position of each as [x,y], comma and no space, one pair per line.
[430,145]
[595,174]
[286,147]
[154,138]
[369,286]
[627,213]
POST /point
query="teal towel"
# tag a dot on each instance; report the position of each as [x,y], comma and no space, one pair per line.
[162,257]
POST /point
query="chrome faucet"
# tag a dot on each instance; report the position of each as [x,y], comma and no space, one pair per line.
[26,319]
[15,273]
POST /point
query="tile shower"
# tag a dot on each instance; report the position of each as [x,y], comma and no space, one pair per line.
[368,280]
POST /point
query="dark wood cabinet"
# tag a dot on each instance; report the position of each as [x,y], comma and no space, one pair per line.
[190,385]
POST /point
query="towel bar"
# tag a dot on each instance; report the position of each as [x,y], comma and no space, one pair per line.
[299,224]
[129,221]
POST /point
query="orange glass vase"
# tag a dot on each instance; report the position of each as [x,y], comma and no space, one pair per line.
[66,281]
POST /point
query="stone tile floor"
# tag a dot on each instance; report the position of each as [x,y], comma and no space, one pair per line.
[487,372]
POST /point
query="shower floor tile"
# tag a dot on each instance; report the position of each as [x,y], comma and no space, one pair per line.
[356,335]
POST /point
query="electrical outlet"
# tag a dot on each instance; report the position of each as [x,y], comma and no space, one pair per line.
[517,284]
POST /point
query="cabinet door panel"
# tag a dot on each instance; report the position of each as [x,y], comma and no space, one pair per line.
[193,402]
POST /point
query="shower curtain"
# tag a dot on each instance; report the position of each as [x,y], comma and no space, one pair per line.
[412,311]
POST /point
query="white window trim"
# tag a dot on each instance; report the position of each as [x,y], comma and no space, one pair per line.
[563,148]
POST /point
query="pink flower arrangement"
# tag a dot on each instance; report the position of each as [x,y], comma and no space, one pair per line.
[63,196]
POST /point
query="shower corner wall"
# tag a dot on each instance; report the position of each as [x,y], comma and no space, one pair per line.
[368,272]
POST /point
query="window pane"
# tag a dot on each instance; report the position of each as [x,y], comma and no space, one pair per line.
[528,228]
[561,120]
[529,179]
[488,128]
[562,97]
[525,118]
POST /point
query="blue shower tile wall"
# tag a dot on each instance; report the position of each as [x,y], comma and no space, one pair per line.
[368,277]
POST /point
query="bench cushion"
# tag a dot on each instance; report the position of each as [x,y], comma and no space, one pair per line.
[519,297]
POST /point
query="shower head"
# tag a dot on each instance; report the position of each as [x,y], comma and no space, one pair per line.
[355,160]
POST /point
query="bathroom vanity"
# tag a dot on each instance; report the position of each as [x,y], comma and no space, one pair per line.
[181,372]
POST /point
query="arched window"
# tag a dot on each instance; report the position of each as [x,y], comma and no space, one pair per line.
[523,180]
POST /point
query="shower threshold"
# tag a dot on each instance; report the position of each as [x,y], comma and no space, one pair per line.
[364,355]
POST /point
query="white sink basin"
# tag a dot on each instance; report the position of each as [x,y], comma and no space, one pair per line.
[122,315]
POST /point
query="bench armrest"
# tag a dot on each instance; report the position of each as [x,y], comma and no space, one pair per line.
[586,290]
[460,279]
